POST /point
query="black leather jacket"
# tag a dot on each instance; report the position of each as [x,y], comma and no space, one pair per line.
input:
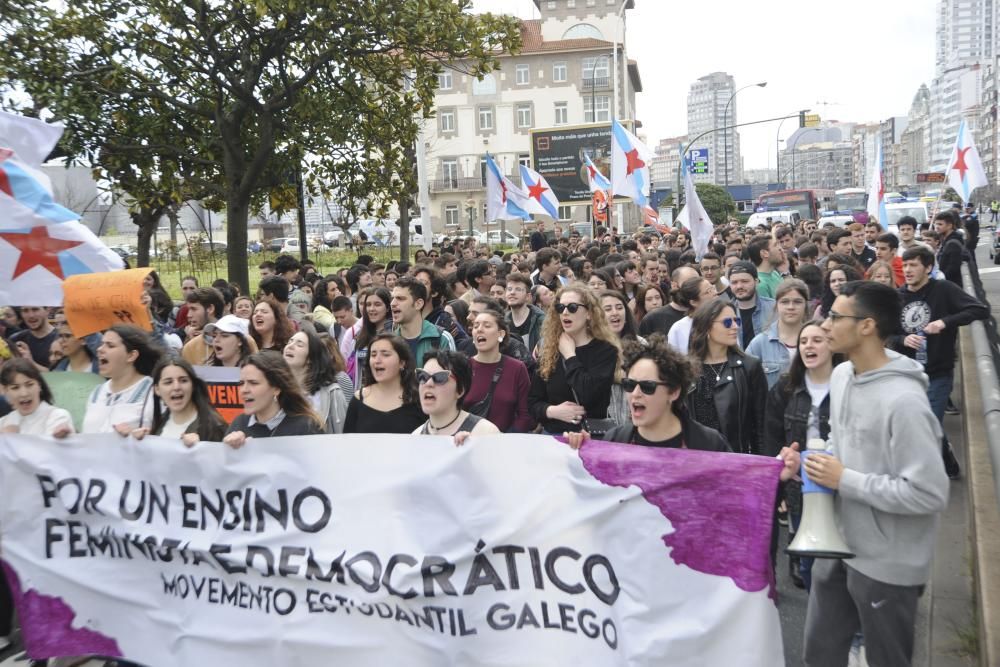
[740,397]
[787,419]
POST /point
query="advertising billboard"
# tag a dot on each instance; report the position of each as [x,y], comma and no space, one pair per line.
[557,154]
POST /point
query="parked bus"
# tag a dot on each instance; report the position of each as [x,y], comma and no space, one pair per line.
[808,203]
[853,203]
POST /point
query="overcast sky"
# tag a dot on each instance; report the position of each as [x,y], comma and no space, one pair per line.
[851,60]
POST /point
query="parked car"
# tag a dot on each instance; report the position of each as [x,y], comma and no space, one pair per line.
[123,251]
[275,245]
[290,246]
[254,247]
[496,237]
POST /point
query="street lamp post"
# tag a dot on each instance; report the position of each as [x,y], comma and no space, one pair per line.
[725,124]
[470,206]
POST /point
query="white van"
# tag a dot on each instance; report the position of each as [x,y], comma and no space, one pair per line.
[759,219]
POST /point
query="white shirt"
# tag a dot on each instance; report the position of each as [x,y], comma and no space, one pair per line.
[132,405]
[817,392]
[43,421]
[680,334]
[173,429]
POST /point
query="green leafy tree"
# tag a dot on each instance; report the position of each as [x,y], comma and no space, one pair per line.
[717,201]
[234,96]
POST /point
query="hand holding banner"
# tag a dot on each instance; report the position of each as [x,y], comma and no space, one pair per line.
[96,301]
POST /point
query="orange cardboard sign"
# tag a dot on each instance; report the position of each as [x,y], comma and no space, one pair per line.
[95,301]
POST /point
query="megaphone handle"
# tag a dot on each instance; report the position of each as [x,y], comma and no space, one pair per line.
[809,486]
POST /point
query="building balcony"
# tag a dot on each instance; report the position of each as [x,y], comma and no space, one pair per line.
[595,82]
[465,184]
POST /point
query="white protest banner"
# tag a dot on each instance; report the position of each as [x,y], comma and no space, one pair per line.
[394,550]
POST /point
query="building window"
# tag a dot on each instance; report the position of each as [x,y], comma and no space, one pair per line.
[525,159]
[562,113]
[551,4]
[524,115]
[447,121]
[451,214]
[482,172]
[449,172]
[603,104]
[484,86]
[444,80]
[565,212]
[591,3]
[571,3]
[485,118]
[596,68]
[522,75]
[583,31]
[559,72]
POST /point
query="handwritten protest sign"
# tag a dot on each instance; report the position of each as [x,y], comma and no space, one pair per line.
[71,390]
[95,301]
[392,550]
[223,389]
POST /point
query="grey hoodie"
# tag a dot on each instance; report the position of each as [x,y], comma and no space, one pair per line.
[894,484]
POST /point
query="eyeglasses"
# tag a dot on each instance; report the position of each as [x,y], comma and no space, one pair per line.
[834,315]
[571,307]
[730,322]
[647,387]
[439,378]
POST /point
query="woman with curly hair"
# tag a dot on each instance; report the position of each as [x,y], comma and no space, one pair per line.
[388,401]
[578,360]
[270,327]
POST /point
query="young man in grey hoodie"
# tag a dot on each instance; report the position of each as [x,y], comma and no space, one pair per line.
[886,469]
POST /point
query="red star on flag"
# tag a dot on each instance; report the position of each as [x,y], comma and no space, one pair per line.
[38,249]
[634,162]
[960,162]
[536,191]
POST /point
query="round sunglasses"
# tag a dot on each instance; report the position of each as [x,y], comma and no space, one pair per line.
[571,307]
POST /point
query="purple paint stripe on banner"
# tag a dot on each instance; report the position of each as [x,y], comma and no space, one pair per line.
[47,625]
[720,505]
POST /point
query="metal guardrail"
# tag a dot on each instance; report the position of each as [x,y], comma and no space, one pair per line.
[986,348]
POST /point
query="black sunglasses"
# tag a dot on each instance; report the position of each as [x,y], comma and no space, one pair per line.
[571,307]
[648,387]
[729,322]
[439,378]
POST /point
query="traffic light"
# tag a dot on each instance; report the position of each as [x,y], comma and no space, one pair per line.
[802,119]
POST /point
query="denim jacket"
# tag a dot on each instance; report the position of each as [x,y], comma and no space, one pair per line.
[762,314]
[773,354]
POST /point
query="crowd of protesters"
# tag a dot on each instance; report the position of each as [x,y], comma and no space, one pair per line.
[629,338]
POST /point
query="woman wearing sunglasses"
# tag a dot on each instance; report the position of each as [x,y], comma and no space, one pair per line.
[730,392]
[442,384]
[578,360]
[388,401]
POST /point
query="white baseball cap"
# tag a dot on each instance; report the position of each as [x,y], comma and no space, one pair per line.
[230,324]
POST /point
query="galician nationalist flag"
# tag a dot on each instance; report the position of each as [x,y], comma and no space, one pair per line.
[630,161]
[876,192]
[541,199]
[693,216]
[598,181]
[41,242]
[504,200]
[965,169]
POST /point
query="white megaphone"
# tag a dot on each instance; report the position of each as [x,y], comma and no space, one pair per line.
[818,535]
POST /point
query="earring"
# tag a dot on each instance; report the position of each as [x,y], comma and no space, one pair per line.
[501,339]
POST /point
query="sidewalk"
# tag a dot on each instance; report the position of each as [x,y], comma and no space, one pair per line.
[946,627]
